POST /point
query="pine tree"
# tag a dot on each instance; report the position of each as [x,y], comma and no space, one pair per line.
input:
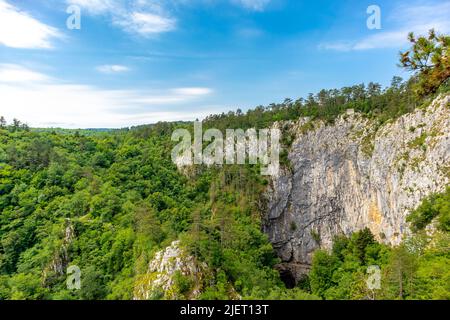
[429,58]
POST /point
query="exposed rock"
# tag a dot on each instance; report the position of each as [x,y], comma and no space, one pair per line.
[58,265]
[160,279]
[351,175]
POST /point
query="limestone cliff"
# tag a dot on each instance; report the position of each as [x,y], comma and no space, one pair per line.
[172,274]
[355,174]
[58,265]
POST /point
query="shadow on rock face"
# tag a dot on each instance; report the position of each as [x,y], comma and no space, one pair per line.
[292,273]
[288,278]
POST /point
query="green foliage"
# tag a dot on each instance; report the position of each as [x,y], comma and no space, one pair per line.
[226,234]
[26,287]
[400,273]
[105,184]
[436,205]
[124,199]
[341,273]
[321,275]
[93,286]
[360,242]
[182,283]
[432,275]
[428,57]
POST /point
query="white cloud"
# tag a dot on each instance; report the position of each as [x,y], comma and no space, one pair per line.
[11,73]
[256,5]
[146,24]
[418,19]
[192,91]
[43,101]
[148,18]
[19,30]
[337,46]
[96,6]
[140,17]
[114,68]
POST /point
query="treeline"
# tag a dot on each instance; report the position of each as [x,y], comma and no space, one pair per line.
[428,59]
[14,126]
[371,100]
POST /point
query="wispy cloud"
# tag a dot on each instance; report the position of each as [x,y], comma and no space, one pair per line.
[18,29]
[44,101]
[112,68]
[418,19]
[147,18]
[144,18]
[192,91]
[256,5]
[11,73]
[146,24]
[96,6]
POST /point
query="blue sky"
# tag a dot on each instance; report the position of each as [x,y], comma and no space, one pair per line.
[142,61]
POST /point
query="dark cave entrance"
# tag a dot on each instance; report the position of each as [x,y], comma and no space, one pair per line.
[288,278]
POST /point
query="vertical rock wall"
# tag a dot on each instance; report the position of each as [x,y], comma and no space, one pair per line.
[351,175]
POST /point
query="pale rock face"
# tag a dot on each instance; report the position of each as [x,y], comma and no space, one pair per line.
[349,175]
[60,261]
[161,271]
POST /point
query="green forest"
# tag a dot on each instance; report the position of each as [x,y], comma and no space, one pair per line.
[108,200]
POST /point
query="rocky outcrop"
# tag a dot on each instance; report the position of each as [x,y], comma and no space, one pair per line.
[60,261]
[172,274]
[355,174]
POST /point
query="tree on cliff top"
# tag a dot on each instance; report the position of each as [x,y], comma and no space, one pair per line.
[428,57]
